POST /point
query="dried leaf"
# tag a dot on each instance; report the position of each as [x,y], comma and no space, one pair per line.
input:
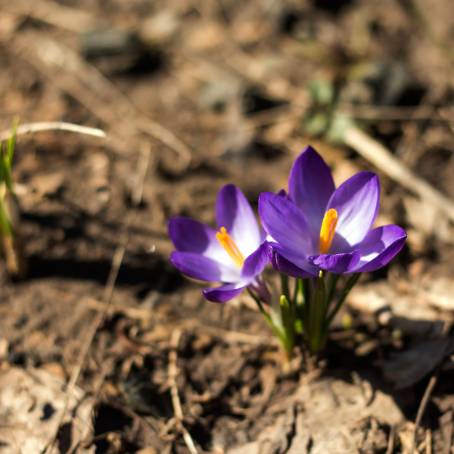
[31,406]
[410,366]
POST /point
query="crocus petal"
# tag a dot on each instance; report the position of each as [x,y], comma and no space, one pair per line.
[257,261]
[234,212]
[223,293]
[191,236]
[285,223]
[337,263]
[380,246]
[356,202]
[295,258]
[282,193]
[282,265]
[203,268]
[310,187]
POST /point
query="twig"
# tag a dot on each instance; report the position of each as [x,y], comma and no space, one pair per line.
[141,313]
[52,13]
[90,335]
[166,137]
[391,113]
[143,164]
[30,128]
[88,85]
[134,313]
[392,435]
[428,391]
[87,426]
[382,158]
[172,373]
[428,441]
[423,404]
[106,305]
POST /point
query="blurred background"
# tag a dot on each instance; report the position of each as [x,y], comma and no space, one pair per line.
[192,95]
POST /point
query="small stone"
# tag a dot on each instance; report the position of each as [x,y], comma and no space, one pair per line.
[160,27]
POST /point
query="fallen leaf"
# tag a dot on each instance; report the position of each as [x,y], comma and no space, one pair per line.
[31,406]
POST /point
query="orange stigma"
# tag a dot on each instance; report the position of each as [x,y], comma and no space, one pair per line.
[328,230]
[230,246]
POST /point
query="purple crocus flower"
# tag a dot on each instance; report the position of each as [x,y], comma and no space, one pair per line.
[318,227]
[234,254]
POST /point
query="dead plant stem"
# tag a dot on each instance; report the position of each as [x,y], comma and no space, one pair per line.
[423,404]
[30,128]
[92,330]
[382,158]
[172,373]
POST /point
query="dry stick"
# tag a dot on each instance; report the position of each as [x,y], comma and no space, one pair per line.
[429,389]
[382,158]
[172,373]
[140,313]
[52,13]
[30,128]
[428,441]
[85,83]
[392,434]
[87,422]
[108,293]
[95,81]
[143,163]
[137,192]
[15,263]
[372,112]
[423,404]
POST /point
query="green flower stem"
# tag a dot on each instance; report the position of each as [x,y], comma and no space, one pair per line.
[288,322]
[6,182]
[332,283]
[307,297]
[345,291]
[308,312]
[298,295]
[299,305]
[275,324]
[284,286]
[317,318]
[288,313]
[6,228]
[259,303]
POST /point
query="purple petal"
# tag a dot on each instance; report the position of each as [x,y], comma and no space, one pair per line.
[203,268]
[356,202]
[380,246]
[286,224]
[284,266]
[282,193]
[223,293]
[295,258]
[257,261]
[234,212]
[337,263]
[310,187]
[191,236]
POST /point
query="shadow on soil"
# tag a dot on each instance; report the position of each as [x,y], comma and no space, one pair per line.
[157,275]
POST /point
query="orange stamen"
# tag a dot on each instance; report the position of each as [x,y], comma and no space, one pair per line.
[230,246]
[328,230]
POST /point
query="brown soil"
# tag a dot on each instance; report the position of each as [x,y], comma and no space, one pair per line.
[227,82]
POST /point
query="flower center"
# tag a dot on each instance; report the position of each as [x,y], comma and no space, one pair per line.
[230,246]
[328,230]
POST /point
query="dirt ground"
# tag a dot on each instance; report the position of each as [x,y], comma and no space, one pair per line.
[104,347]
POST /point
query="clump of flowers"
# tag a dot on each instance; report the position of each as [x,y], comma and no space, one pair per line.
[318,237]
